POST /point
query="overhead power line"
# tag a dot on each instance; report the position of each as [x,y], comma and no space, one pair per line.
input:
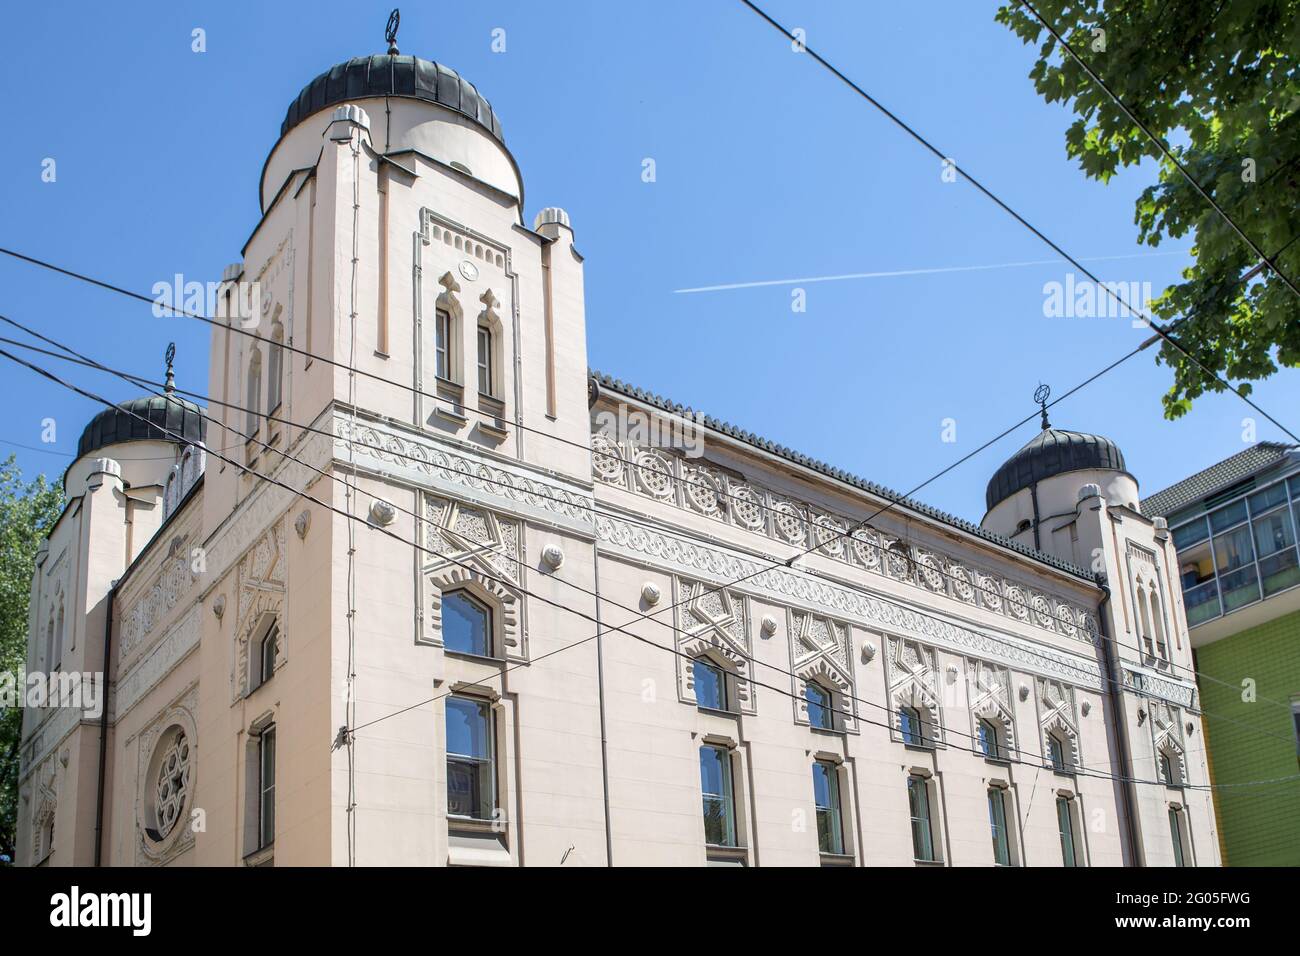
[601,629]
[1162,332]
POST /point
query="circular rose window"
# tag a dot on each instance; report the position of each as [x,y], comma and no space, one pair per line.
[168,783]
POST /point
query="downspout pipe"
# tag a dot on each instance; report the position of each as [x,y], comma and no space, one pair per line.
[600,689]
[103,727]
[1133,851]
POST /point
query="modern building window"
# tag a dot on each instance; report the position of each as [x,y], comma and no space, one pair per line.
[486,372]
[442,344]
[719,796]
[1056,751]
[266,788]
[918,798]
[818,699]
[910,726]
[1240,552]
[987,735]
[826,798]
[998,827]
[471,764]
[710,685]
[466,624]
[1065,824]
[1176,834]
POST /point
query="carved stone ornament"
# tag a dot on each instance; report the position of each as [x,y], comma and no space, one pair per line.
[382,513]
[302,524]
[553,556]
[768,626]
[869,650]
[650,593]
[219,606]
[1023,691]
[1085,708]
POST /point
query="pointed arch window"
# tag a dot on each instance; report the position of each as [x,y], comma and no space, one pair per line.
[486,362]
[466,624]
[987,735]
[710,685]
[910,726]
[253,403]
[821,710]
[442,344]
[275,369]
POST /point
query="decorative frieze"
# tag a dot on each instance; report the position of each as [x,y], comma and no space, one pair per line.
[820,653]
[870,610]
[171,583]
[712,623]
[913,677]
[700,488]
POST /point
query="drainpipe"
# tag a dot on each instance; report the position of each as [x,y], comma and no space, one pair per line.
[600,690]
[103,728]
[1120,729]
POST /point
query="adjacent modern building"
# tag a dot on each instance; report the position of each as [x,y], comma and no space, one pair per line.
[1234,525]
[410,584]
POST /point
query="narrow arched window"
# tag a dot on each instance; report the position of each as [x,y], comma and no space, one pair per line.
[60,640]
[486,369]
[442,344]
[910,727]
[818,699]
[254,393]
[466,624]
[275,368]
[710,684]
[988,739]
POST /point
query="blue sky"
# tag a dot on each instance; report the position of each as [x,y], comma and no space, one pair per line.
[766,168]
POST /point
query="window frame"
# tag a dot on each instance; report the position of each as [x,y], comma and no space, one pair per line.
[726,799]
[485,344]
[834,810]
[489,623]
[1066,831]
[1001,836]
[1176,836]
[1058,751]
[484,767]
[266,791]
[724,691]
[827,709]
[442,352]
[912,716]
[983,724]
[918,798]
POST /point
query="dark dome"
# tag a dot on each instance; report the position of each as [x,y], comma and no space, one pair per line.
[120,423]
[392,75]
[1053,451]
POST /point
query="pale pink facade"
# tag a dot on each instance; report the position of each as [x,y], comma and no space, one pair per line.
[393,236]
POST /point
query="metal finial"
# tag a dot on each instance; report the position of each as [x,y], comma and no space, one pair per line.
[1041,394]
[171,375]
[390,31]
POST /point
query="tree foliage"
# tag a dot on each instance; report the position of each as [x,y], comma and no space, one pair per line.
[27,513]
[1216,80]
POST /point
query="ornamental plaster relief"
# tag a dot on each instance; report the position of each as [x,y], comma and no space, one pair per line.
[169,585]
[262,577]
[1167,738]
[868,610]
[1057,715]
[713,622]
[166,772]
[456,472]
[913,680]
[702,489]
[821,651]
[990,699]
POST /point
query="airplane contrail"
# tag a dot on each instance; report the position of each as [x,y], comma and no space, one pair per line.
[915,272]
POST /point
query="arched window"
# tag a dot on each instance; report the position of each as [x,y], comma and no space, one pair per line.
[486,364]
[275,368]
[987,735]
[442,344]
[466,624]
[910,726]
[820,712]
[1158,624]
[254,393]
[49,642]
[710,684]
[1056,753]
[268,650]
[60,639]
